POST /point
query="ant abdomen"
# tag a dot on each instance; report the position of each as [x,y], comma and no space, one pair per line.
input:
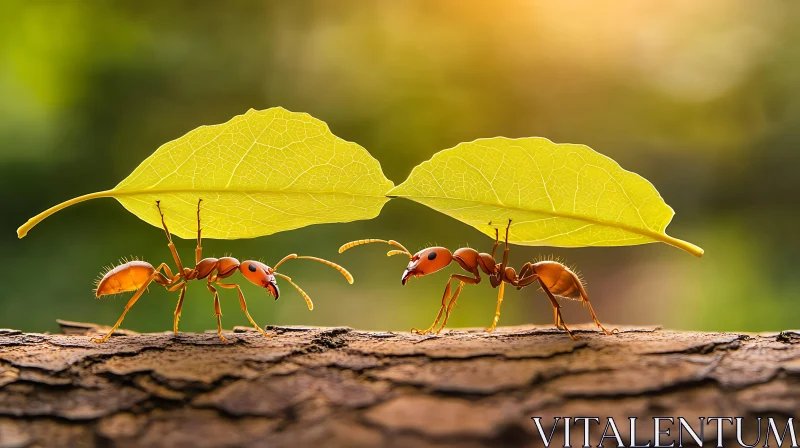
[129,276]
[559,279]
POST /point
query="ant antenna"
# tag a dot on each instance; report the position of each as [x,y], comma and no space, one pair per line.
[302,293]
[341,270]
[397,252]
[394,243]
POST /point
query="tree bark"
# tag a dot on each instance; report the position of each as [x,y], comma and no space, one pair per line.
[342,387]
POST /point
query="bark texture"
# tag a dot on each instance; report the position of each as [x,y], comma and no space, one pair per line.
[342,387]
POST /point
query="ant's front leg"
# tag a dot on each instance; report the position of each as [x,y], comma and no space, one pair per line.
[462,279]
[243,304]
[445,296]
[217,310]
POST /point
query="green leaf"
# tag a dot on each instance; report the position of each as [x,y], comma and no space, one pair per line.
[555,194]
[259,173]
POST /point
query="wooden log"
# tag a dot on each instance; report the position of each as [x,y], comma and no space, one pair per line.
[341,387]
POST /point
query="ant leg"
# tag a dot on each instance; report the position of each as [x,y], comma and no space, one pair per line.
[243,304]
[464,279]
[169,238]
[556,309]
[591,310]
[217,311]
[496,240]
[450,306]
[525,278]
[178,308]
[445,296]
[505,252]
[499,273]
[525,281]
[497,312]
[597,322]
[198,252]
[557,318]
[524,274]
[130,304]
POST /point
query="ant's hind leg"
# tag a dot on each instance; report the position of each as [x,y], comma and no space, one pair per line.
[243,304]
[132,302]
[597,322]
[563,326]
[556,310]
[128,306]
[585,299]
[557,318]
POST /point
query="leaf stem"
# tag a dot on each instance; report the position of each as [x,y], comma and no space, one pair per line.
[23,229]
[697,251]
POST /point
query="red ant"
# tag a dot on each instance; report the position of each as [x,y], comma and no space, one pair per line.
[555,279]
[137,276]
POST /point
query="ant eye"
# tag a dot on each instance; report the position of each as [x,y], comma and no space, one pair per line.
[432,256]
[252,267]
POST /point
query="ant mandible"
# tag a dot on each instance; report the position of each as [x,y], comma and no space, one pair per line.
[137,276]
[555,279]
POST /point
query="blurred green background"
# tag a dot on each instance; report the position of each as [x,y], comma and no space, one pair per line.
[701,98]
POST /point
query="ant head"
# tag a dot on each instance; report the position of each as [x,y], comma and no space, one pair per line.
[260,274]
[427,261]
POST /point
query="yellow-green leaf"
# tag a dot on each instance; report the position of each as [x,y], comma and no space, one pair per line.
[259,173]
[555,194]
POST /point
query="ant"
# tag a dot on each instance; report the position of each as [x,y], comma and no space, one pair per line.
[555,279]
[137,275]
